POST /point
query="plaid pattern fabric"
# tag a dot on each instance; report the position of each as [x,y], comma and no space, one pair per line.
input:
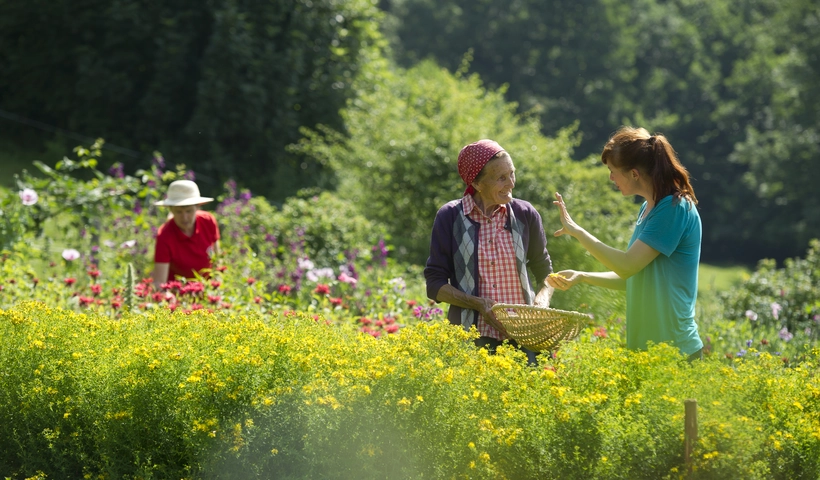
[498,271]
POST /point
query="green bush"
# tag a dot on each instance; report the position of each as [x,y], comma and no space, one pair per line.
[249,395]
[780,302]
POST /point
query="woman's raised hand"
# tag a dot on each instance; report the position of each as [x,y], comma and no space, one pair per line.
[569,227]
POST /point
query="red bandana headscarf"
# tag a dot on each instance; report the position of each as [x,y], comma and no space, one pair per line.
[472,159]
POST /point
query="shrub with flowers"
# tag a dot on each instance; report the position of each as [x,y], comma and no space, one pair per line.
[74,239]
[777,306]
[251,395]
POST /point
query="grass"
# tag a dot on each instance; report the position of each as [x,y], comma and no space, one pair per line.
[714,278]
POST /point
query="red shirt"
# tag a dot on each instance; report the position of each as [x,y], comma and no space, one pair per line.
[185,254]
[497,274]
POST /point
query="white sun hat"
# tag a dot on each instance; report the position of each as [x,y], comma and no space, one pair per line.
[182,193]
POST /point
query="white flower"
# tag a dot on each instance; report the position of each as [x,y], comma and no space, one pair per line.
[28,196]
[315,275]
[751,315]
[71,254]
[305,264]
[109,243]
[398,284]
[128,244]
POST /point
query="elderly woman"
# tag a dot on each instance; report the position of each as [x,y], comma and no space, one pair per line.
[483,243]
[188,240]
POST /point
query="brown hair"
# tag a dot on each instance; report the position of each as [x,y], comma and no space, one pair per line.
[652,155]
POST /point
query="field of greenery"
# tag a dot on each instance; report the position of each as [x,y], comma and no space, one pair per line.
[310,351]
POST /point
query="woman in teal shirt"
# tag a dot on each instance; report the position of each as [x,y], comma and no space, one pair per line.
[659,269]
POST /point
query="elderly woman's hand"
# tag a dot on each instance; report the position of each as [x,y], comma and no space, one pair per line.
[564,279]
[569,227]
[487,313]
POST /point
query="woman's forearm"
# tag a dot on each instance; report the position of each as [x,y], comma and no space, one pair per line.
[453,296]
[609,280]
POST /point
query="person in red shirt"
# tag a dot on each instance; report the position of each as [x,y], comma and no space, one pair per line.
[189,239]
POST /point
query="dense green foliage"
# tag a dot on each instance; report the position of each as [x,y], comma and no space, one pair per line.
[398,161]
[264,396]
[732,84]
[221,86]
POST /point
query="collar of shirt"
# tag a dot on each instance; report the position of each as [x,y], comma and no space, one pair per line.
[472,210]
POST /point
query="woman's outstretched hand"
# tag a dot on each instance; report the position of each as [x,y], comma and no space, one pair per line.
[569,227]
[564,279]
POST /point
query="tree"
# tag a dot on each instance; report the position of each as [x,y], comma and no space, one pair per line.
[221,86]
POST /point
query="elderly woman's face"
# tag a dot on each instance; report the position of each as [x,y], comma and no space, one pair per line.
[185,217]
[496,181]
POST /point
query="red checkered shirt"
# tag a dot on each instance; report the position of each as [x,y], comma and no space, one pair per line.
[497,273]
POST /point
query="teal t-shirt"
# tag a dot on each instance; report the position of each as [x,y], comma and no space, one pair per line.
[660,299]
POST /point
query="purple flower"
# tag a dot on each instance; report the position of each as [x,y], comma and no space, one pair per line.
[245,196]
[137,208]
[380,251]
[785,335]
[28,196]
[776,308]
[230,186]
[190,175]
[71,254]
[116,170]
[748,343]
[158,160]
[751,315]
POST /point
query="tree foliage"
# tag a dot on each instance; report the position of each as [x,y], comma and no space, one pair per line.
[731,83]
[222,86]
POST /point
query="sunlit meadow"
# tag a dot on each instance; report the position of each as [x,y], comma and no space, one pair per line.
[308,352]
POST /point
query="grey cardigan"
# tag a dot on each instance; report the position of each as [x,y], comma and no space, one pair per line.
[454,253]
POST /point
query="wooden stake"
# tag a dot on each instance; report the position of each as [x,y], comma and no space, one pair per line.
[690,431]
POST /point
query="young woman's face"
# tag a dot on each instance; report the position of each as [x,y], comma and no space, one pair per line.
[185,217]
[623,179]
[497,181]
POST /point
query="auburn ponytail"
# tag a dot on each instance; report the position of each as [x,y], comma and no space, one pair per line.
[652,155]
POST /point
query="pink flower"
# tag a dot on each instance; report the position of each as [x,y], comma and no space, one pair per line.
[215,283]
[214,298]
[94,273]
[600,332]
[392,328]
[96,289]
[28,196]
[776,308]
[70,281]
[345,278]
[335,301]
[322,289]
[284,289]
[71,254]
[251,280]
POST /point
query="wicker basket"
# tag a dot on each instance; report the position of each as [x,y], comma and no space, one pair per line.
[539,328]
